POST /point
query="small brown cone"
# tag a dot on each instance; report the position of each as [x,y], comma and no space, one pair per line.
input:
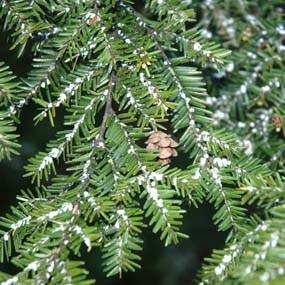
[153,139]
[165,152]
[162,134]
[174,152]
[151,146]
[173,143]
[164,144]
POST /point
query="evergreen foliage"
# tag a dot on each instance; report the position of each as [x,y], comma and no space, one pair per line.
[121,75]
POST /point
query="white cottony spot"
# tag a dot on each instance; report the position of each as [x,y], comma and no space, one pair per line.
[227,259]
[218,270]
[197,46]
[62,97]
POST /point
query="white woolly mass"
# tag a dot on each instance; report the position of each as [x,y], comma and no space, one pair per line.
[10,281]
[221,162]
[21,223]
[32,266]
[46,161]
[263,227]
[241,125]
[156,176]
[131,150]
[274,239]
[159,203]
[136,103]
[203,160]
[152,90]
[215,172]
[208,54]
[243,89]
[6,236]
[85,238]
[265,88]
[91,200]
[197,46]
[250,188]
[219,115]
[264,277]
[227,259]
[153,193]
[211,100]
[12,110]
[80,121]
[66,207]
[122,213]
[219,269]
[54,153]
[248,146]
[206,33]
[204,136]
[50,267]
[62,97]
[280,29]
[140,179]
[197,174]
[230,67]
[85,174]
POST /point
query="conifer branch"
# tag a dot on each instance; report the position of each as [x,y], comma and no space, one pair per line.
[126,81]
[108,108]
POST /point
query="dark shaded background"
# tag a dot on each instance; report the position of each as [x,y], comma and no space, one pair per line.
[161,266]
